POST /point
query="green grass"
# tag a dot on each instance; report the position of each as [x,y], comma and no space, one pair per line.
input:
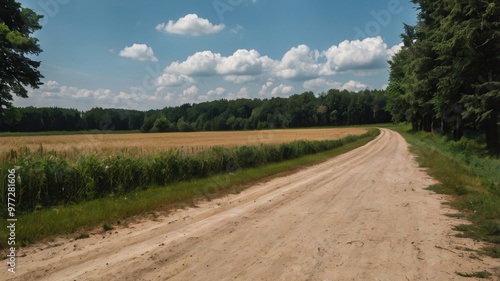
[479,274]
[82,236]
[69,219]
[439,189]
[107,227]
[470,173]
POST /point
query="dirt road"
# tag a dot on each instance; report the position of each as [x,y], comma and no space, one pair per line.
[361,216]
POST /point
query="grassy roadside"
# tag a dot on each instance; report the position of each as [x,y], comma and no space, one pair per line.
[109,210]
[470,174]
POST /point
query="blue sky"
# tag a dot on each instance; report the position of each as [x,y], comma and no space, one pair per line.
[157,53]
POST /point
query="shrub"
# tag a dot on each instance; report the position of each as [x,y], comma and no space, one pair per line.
[246,156]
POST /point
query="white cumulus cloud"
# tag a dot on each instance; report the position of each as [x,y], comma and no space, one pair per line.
[50,85]
[321,84]
[190,24]
[354,86]
[238,79]
[266,86]
[57,94]
[243,62]
[282,89]
[190,92]
[54,90]
[299,63]
[169,79]
[217,92]
[241,94]
[200,64]
[140,52]
[189,95]
[357,56]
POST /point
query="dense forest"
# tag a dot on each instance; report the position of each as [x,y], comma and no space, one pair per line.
[334,108]
[446,78]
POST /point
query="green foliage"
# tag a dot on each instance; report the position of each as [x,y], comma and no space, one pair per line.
[161,124]
[447,76]
[107,227]
[247,156]
[183,126]
[338,108]
[148,123]
[17,70]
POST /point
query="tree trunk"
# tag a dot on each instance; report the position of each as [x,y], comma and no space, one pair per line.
[414,123]
[458,129]
[437,126]
[492,132]
[427,123]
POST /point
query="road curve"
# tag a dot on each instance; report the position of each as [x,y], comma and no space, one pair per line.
[363,215]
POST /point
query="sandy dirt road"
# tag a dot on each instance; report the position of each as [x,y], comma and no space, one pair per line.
[361,216]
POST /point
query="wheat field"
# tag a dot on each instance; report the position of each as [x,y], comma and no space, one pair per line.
[143,144]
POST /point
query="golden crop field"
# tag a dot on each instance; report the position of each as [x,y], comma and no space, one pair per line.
[141,144]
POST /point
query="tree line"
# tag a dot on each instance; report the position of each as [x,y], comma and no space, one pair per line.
[333,108]
[446,78]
